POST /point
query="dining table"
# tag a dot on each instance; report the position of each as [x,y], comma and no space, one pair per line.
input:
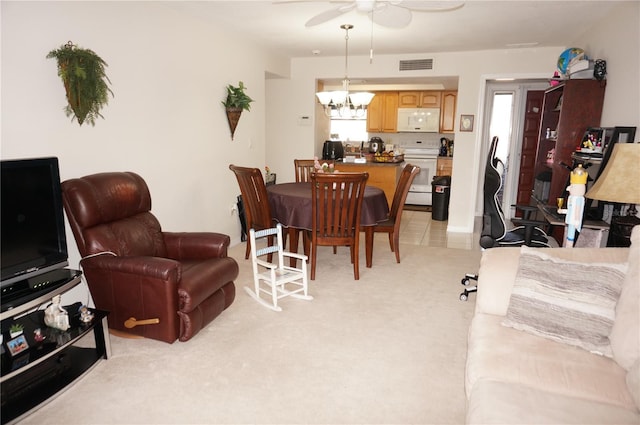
[291,205]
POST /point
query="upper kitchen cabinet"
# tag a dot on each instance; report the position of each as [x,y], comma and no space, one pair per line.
[448,111]
[382,113]
[419,99]
[568,109]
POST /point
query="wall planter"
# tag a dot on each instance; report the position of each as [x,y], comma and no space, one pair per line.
[236,102]
[85,82]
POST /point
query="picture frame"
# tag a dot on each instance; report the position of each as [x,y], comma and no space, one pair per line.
[17,345]
[466,122]
[623,134]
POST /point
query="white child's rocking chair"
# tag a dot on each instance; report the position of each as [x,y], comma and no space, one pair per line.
[278,280]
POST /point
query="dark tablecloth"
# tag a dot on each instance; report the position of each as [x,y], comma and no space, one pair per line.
[291,205]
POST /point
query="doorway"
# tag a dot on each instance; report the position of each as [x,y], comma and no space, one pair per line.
[505,118]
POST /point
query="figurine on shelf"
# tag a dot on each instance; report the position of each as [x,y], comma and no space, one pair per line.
[85,314]
[575,204]
[55,316]
[38,336]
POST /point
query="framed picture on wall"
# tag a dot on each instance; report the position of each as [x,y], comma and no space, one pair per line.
[466,122]
[623,134]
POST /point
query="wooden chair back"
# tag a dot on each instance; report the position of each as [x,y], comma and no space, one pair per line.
[304,168]
[391,225]
[254,197]
[409,172]
[336,210]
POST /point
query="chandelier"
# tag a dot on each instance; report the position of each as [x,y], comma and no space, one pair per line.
[347,105]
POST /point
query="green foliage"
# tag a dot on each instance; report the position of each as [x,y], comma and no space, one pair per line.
[16,327]
[85,82]
[237,98]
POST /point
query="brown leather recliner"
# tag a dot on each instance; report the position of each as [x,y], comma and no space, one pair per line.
[135,270]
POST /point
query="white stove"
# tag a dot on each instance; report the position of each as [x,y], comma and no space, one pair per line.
[424,154]
[421,149]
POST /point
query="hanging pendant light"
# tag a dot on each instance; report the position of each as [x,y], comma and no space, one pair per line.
[347,105]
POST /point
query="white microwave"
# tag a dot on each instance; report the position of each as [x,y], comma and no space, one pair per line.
[419,120]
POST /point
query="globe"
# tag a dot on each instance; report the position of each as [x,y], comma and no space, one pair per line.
[568,57]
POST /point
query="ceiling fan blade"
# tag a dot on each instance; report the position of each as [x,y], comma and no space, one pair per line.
[430,6]
[392,17]
[329,15]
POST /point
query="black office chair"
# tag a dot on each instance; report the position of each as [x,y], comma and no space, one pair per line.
[494,229]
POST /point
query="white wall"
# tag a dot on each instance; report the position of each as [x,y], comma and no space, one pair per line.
[615,40]
[165,122]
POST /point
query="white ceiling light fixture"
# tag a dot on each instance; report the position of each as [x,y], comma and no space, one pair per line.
[347,105]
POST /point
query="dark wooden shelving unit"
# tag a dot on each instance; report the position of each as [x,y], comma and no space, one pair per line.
[569,109]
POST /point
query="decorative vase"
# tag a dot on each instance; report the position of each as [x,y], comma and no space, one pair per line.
[270,178]
[233,116]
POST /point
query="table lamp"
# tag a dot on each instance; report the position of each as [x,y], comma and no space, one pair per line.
[620,181]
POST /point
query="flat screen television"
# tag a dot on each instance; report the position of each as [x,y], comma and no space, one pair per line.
[33,241]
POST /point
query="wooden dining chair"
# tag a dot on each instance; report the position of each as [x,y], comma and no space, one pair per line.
[304,168]
[336,209]
[392,224]
[256,203]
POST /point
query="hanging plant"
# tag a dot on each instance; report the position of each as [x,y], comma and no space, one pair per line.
[236,102]
[85,82]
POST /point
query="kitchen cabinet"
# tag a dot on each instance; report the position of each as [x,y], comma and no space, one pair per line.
[382,175]
[448,111]
[419,99]
[382,113]
[568,109]
[444,166]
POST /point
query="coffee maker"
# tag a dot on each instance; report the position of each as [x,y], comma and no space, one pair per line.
[332,149]
[376,145]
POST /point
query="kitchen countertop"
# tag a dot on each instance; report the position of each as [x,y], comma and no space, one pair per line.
[372,163]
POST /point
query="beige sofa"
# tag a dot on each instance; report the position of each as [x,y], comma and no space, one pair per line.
[517,376]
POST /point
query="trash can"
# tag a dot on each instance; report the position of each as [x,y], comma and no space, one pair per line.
[440,190]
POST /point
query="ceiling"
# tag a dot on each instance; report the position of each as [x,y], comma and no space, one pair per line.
[478,25]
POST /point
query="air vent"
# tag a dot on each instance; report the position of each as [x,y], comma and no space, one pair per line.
[416,64]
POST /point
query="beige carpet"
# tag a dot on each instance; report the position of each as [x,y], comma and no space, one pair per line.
[389,348]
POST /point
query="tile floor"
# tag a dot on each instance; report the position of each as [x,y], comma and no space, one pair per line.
[417,228]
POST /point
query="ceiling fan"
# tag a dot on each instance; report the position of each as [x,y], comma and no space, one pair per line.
[391,14]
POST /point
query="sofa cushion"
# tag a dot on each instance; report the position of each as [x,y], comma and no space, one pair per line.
[504,354]
[494,402]
[569,302]
[633,382]
[498,269]
[625,334]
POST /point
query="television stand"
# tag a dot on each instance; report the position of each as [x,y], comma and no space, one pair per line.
[29,293]
[32,377]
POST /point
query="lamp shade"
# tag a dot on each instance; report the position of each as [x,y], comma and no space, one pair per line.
[620,181]
[324,97]
[361,98]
